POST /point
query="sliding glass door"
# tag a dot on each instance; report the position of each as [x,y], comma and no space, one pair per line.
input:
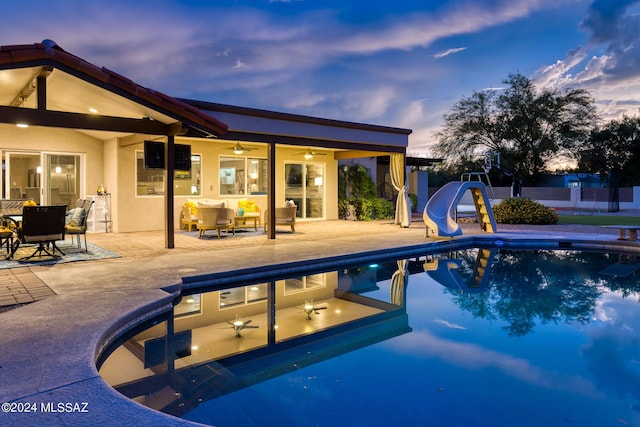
[46,178]
[304,184]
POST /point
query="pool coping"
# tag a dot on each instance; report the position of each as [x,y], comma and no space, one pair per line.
[66,333]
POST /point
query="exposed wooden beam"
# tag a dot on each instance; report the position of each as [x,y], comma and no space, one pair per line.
[129,140]
[61,119]
[37,82]
[354,154]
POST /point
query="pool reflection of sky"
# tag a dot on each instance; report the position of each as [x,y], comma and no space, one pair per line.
[462,369]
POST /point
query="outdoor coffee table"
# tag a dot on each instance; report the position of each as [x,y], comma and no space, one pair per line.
[242,222]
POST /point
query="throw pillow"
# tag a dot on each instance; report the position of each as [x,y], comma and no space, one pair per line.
[69,215]
[193,207]
[78,217]
[211,205]
[247,205]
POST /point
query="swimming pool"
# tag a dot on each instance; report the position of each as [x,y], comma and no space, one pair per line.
[479,336]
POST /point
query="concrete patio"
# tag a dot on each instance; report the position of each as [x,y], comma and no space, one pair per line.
[49,347]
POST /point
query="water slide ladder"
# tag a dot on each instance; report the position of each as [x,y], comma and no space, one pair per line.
[446,272]
[440,211]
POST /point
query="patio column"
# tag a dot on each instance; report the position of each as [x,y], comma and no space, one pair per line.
[169,238]
[271,186]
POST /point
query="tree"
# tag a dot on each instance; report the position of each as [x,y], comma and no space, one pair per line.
[528,127]
[614,148]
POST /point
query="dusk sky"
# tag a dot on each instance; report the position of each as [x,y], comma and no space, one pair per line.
[393,63]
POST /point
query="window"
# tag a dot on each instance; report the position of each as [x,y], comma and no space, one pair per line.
[150,182]
[243,295]
[304,184]
[243,175]
[189,304]
[303,283]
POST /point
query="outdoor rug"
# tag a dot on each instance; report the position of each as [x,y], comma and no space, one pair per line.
[72,254]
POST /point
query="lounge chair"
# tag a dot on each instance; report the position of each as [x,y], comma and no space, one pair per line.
[284,216]
[187,219]
[215,219]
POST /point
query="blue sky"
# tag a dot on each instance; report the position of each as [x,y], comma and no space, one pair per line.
[393,63]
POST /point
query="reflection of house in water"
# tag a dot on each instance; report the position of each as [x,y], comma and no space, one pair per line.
[196,355]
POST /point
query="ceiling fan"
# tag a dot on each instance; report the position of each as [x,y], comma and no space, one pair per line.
[308,155]
[239,149]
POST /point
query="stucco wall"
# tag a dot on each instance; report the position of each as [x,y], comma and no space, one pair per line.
[140,213]
[37,139]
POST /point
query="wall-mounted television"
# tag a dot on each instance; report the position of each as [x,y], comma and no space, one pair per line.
[182,157]
[153,155]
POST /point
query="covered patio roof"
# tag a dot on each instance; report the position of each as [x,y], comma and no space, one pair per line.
[348,138]
[43,85]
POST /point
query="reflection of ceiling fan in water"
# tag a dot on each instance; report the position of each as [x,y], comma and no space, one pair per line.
[239,149]
[238,325]
[309,309]
[308,155]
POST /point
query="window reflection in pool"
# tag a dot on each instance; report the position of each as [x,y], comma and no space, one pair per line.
[481,336]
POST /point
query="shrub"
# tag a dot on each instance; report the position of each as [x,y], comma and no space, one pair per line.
[523,211]
[373,208]
[343,208]
[414,202]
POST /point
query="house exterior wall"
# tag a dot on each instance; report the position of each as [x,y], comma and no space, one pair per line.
[37,139]
[145,213]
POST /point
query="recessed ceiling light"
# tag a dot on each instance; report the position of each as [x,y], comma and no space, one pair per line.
[22,125]
[93,110]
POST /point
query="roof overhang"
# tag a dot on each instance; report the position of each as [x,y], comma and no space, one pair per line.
[255,125]
[43,85]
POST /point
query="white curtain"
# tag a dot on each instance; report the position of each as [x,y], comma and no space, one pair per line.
[403,206]
[399,281]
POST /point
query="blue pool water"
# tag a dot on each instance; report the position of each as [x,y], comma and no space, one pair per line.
[478,337]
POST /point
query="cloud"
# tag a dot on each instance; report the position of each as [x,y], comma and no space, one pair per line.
[475,357]
[608,65]
[448,52]
[604,18]
[449,324]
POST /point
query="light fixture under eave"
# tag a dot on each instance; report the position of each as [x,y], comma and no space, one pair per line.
[22,125]
[93,110]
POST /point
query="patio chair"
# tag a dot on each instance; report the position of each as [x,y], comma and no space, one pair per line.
[284,216]
[187,219]
[215,219]
[42,225]
[77,224]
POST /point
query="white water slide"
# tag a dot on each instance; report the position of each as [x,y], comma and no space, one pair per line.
[440,212]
